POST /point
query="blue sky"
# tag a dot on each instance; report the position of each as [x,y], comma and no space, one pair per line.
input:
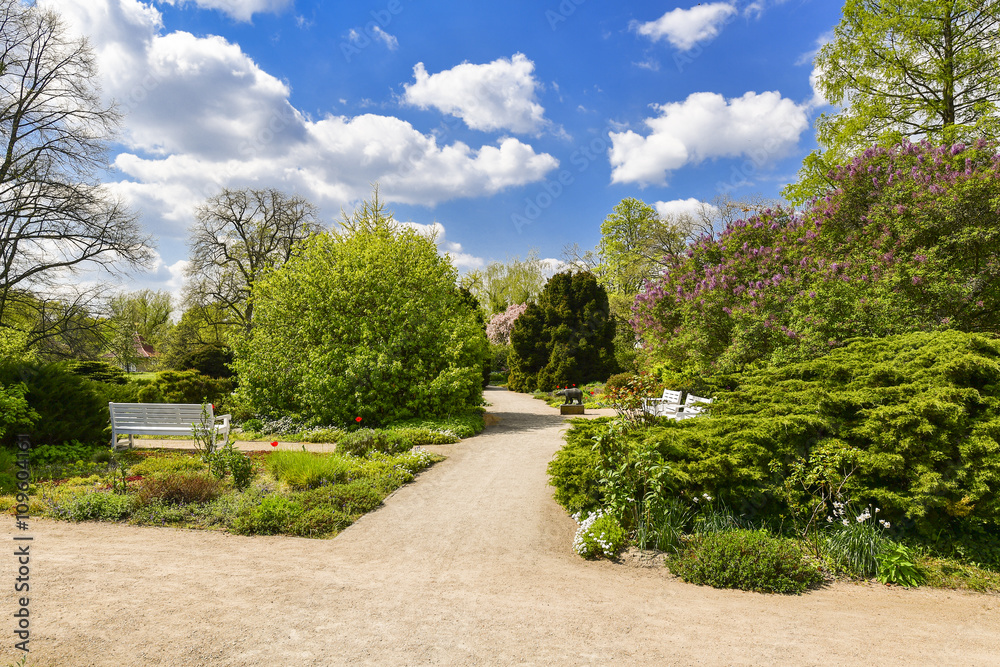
[511,126]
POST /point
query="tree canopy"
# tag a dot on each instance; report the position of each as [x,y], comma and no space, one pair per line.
[237,236]
[567,337]
[55,216]
[366,323]
[920,69]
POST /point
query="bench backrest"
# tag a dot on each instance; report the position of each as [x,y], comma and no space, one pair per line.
[672,396]
[157,414]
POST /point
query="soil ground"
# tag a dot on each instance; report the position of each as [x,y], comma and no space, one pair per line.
[471,564]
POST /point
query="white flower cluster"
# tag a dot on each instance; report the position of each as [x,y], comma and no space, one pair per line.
[707,498]
[586,522]
[840,512]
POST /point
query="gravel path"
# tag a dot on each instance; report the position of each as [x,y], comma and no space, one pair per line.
[471,564]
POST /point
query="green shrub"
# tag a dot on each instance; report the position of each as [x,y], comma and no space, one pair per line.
[209,360]
[69,407]
[464,424]
[15,413]
[322,435]
[274,515]
[8,471]
[96,506]
[424,436]
[855,544]
[64,452]
[178,488]
[897,565]
[599,534]
[573,471]
[306,470]
[567,337]
[99,371]
[750,560]
[353,498]
[918,411]
[367,323]
[319,521]
[229,461]
[365,440]
[253,425]
[188,387]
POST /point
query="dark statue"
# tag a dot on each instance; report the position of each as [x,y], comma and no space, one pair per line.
[571,394]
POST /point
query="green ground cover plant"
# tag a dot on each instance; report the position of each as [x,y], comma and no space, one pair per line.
[750,560]
[288,492]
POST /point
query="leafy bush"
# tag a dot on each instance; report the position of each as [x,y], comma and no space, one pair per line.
[187,387]
[229,461]
[253,425]
[322,435]
[353,498]
[918,413]
[8,472]
[897,246]
[96,506]
[14,409]
[424,436]
[208,360]
[362,441]
[274,515]
[573,471]
[305,470]
[566,338]
[69,407]
[367,323]
[897,565]
[750,560]
[599,534]
[99,371]
[178,488]
[65,452]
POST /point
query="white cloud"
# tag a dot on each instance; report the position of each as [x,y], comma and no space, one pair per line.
[683,207]
[460,259]
[241,10]
[201,114]
[761,126]
[684,28]
[389,40]
[500,95]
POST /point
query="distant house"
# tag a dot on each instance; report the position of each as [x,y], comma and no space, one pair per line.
[145,356]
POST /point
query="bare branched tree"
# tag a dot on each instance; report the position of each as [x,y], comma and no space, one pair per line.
[56,218]
[239,234]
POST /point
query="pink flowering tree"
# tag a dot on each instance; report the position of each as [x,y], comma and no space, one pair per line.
[903,242]
[500,325]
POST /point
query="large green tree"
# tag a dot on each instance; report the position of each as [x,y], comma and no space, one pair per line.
[368,322]
[905,69]
[567,337]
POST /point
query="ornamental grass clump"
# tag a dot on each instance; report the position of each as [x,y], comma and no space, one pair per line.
[178,488]
[853,542]
[306,470]
[749,560]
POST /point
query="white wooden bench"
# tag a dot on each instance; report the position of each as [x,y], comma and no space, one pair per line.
[163,419]
[693,406]
[665,406]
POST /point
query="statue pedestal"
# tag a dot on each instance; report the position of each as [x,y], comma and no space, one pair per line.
[571,409]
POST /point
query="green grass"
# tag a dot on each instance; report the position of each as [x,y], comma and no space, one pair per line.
[464,425]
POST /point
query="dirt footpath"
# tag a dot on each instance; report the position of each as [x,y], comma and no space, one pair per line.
[469,565]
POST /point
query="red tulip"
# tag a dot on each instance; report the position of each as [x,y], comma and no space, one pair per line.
[274,444]
[357,419]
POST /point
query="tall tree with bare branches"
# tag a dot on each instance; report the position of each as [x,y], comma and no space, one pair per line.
[237,236]
[56,218]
